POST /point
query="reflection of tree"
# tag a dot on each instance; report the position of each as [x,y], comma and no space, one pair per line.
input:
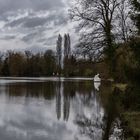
[111,112]
[66,103]
[66,107]
[90,125]
[58,100]
[62,93]
[34,89]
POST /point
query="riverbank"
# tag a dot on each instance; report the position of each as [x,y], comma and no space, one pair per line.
[131,125]
[130,111]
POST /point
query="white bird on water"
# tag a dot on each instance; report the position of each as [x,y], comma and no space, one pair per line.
[97,78]
[97,82]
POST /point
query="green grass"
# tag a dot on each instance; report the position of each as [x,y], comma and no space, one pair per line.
[132,125]
[120,86]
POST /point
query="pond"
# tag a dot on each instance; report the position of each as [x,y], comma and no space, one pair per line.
[55,109]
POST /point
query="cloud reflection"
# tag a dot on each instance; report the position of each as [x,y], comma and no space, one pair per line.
[52,110]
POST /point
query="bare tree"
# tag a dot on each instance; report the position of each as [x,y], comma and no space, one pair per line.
[97,19]
[124,22]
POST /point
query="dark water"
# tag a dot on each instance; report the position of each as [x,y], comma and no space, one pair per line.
[54,110]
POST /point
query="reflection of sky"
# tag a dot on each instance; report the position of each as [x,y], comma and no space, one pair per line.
[35,118]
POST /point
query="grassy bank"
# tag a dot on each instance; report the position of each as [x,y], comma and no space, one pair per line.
[131,112]
[131,124]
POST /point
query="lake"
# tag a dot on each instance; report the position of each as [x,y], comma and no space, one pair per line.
[56,109]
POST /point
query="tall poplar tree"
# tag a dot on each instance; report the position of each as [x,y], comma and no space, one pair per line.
[59,52]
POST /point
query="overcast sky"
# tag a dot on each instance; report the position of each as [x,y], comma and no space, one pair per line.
[33,24]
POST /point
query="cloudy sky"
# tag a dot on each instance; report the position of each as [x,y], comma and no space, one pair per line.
[34,24]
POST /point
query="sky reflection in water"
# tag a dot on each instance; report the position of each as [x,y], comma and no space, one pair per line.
[50,111]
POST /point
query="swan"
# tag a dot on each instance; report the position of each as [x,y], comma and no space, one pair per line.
[97,85]
[97,78]
[97,82]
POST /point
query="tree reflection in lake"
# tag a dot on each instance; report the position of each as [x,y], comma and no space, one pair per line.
[61,110]
[90,117]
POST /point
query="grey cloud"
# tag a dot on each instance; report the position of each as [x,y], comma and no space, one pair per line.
[57,18]
[46,4]
[36,48]
[47,42]
[49,28]
[56,32]
[13,5]
[50,40]
[29,37]
[41,40]
[7,37]
[28,22]
[34,22]
[15,23]
[60,21]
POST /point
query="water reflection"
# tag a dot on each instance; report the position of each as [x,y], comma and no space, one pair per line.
[97,85]
[62,110]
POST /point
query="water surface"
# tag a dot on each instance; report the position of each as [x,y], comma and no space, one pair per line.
[52,109]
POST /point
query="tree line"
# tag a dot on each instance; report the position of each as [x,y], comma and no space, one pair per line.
[59,62]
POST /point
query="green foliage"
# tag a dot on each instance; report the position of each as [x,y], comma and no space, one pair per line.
[132,125]
[127,61]
[110,53]
[135,46]
[131,99]
[88,72]
[78,67]
[131,112]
